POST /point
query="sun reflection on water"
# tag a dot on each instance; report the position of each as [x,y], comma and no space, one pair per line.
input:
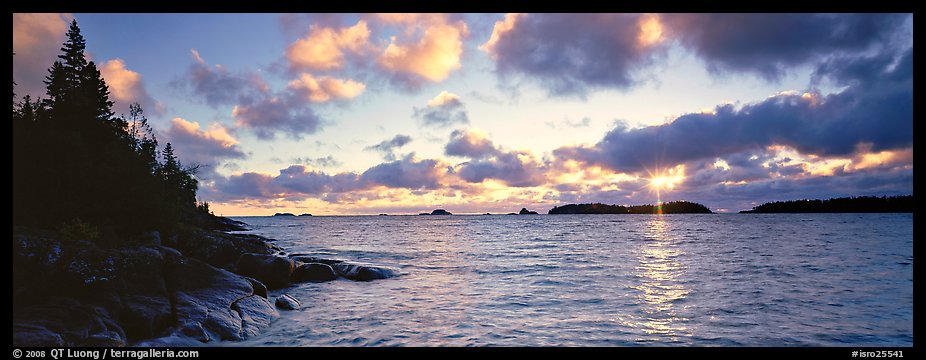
[658,271]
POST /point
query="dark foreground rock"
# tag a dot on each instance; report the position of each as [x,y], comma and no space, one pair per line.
[313,272]
[75,293]
[273,271]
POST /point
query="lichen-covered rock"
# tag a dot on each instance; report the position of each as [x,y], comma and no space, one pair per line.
[105,339]
[205,294]
[221,249]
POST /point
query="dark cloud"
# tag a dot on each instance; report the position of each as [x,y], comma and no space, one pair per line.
[516,168]
[405,173]
[325,161]
[877,110]
[256,107]
[388,147]
[218,86]
[286,113]
[771,44]
[570,53]
[444,110]
[469,143]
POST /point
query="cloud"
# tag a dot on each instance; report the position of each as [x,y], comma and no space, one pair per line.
[324,48]
[406,173]
[771,44]
[514,168]
[432,56]
[443,110]
[37,39]
[388,147]
[876,110]
[285,113]
[205,147]
[219,87]
[325,88]
[470,143]
[126,87]
[606,53]
[325,161]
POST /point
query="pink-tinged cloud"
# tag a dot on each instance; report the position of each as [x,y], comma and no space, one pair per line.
[206,147]
[324,48]
[326,88]
[432,56]
[219,86]
[37,39]
[444,109]
[126,87]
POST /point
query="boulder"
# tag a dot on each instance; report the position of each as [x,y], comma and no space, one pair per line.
[273,271]
[204,294]
[105,339]
[312,259]
[259,287]
[314,272]
[287,302]
[256,314]
[361,272]
[221,249]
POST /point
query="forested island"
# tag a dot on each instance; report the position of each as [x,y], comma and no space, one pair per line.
[673,207]
[860,204]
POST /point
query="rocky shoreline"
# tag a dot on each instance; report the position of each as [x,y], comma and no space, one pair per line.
[194,288]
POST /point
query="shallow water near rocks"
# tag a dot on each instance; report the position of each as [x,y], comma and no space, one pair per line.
[602,280]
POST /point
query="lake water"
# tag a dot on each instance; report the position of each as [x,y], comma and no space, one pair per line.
[603,280]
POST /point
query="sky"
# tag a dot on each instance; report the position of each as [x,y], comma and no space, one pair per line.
[334,114]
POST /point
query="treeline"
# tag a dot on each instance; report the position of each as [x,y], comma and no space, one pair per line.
[860,204]
[76,164]
[674,207]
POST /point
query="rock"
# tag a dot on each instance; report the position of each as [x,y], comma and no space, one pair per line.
[29,335]
[314,272]
[194,330]
[256,314]
[259,287]
[205,294]
[220,249]
[305,214]
[311,259]
[105,339]
[60,321]
[151,238]
[440,212]
[287,302]
[173,340]
[362,273]
[284,214]
[146,310]
[524,211]
[273,271]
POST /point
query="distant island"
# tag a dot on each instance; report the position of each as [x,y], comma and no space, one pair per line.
[860,204]
[437,212]
[305,214]
[524,211]
[674,207]
[284,214]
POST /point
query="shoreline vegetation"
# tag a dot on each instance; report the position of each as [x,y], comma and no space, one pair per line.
[111,247]
[673,207]
[859,204]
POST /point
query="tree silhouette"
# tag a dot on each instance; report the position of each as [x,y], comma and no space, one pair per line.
[72,159]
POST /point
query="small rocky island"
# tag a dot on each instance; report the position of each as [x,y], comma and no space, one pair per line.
[285,214]
[673,207]
[437,212]
[524,211]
